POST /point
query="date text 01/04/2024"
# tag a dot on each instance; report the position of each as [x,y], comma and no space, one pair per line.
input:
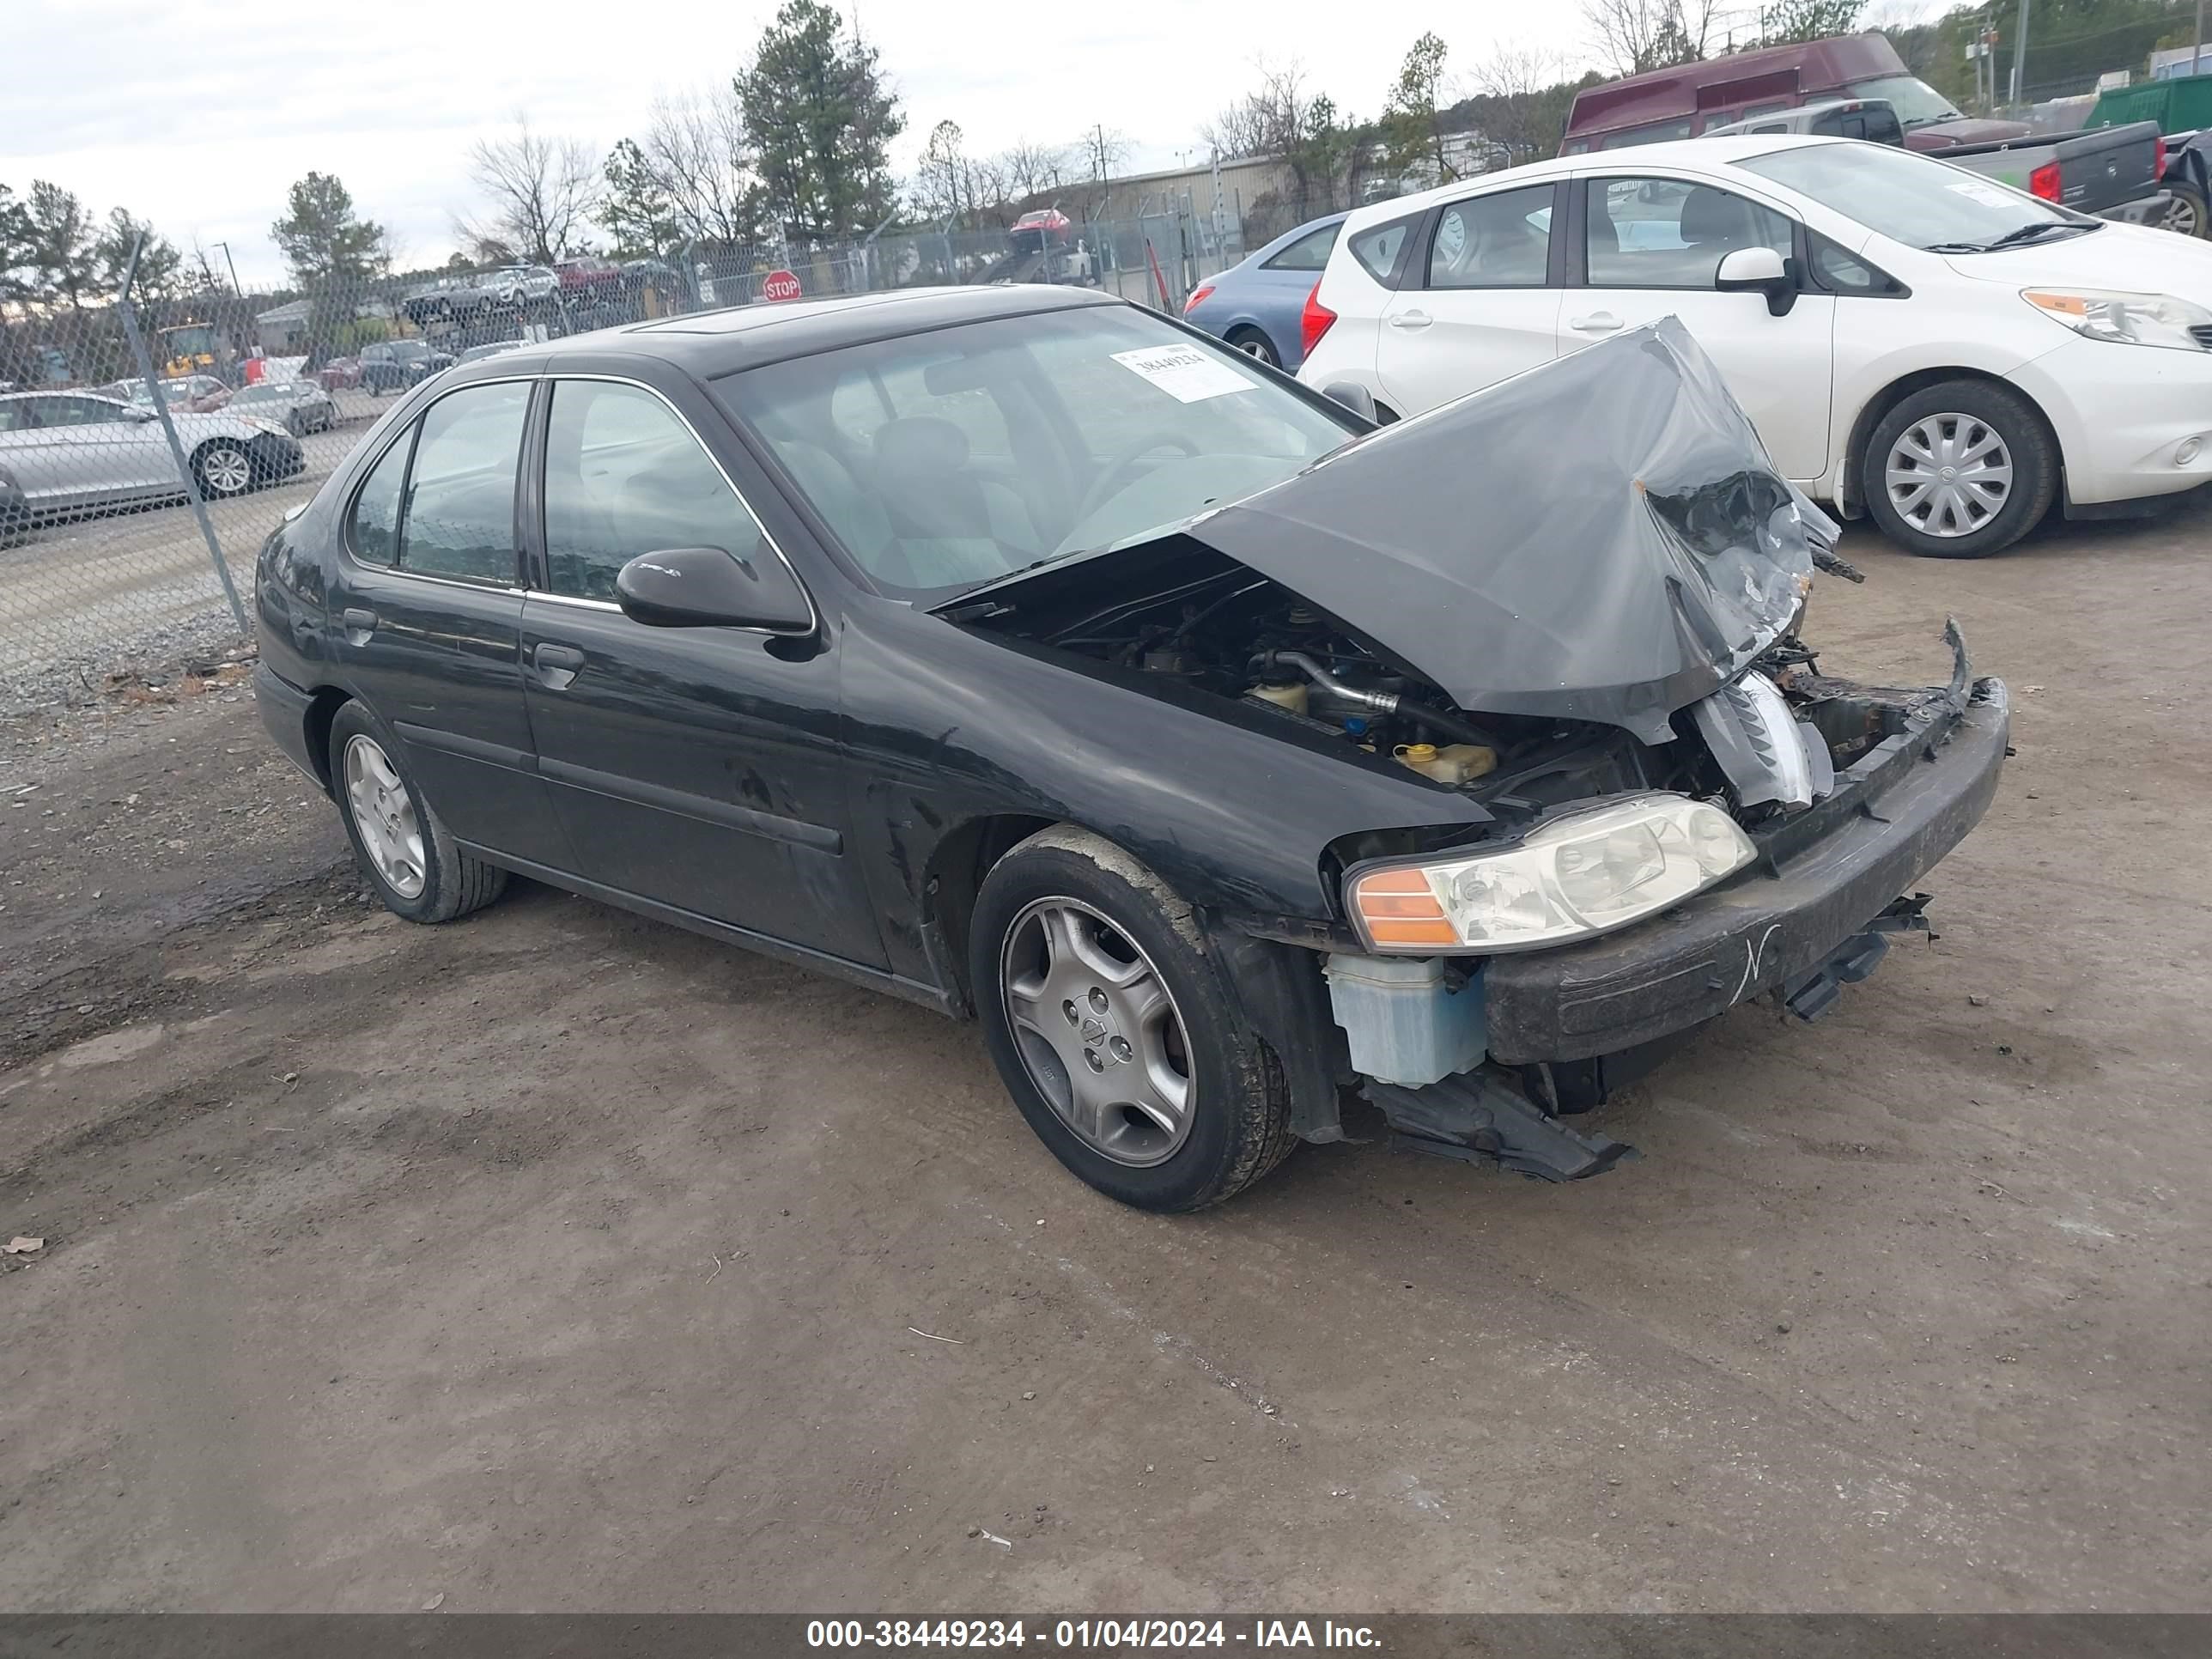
[1086,1633]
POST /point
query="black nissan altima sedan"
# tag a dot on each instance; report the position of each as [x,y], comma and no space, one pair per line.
[1027,655]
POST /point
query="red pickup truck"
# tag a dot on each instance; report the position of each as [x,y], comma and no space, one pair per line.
[1690,99]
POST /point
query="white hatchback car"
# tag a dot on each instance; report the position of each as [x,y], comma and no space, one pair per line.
[1912,340]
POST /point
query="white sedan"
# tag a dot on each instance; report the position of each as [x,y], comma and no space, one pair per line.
[1913,341]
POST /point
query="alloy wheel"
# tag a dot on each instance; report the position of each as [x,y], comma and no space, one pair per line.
[226,471]
[2180,216]
[1949,475]
[1098,1031]
[384,813]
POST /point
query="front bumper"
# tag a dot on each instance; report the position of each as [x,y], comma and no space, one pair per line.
[1897,809]
[2122,414]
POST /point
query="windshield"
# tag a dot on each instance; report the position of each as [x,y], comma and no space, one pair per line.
[1909,198]
[1916,103]
[947,459]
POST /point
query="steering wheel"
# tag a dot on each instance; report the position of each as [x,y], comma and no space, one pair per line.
[1109,481]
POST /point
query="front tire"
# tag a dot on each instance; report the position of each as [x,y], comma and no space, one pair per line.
[1960,470]
[224,469]
[398,840]
[1115,1031]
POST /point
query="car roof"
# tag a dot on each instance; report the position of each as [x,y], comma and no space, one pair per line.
[1699,155]
[710,343]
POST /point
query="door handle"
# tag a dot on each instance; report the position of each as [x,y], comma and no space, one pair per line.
[1598,322]
[1410,319]
[359,625]
[556,665]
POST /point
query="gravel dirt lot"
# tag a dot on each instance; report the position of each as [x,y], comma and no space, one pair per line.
[558,1260]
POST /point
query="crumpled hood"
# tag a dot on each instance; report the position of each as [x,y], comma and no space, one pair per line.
[1602,538]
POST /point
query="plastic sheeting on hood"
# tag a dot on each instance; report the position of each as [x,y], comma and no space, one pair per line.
[1602,538]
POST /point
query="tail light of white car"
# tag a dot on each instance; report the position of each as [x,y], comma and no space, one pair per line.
[1314,321]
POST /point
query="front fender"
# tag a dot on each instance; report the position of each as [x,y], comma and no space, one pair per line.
[1234,807]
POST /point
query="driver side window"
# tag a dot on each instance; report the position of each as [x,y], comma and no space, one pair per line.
[624,475]
[1670,233]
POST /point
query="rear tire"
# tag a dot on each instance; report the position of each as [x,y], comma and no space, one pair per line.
[1092,986]
[2187,214]
[1960,470]
[399,840]
[1252,343]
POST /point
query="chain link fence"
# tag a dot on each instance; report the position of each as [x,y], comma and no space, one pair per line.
[148,448]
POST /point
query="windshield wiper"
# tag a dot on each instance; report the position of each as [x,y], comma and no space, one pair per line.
[2018,236]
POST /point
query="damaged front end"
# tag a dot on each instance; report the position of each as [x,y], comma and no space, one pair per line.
[1598,645]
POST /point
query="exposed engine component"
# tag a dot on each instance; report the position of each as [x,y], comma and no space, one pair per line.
[1768,756]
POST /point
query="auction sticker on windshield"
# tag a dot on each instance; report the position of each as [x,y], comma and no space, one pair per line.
[1986,195]
[1185,373]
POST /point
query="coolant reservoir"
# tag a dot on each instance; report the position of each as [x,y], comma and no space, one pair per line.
[1291,695]
[1456,762]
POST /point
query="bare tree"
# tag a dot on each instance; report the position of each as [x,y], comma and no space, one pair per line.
[1518,92]
[541,191]
[1636,35]
[1104,149]
[1034,169]
[698,151]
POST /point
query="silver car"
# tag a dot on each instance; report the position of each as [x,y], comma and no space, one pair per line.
[519,285]
[301,404]
[77,453]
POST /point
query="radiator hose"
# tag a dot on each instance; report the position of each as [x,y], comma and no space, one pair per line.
[1383,702]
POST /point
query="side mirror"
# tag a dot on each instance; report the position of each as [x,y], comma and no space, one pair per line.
[134,413]
[1354,397]
[1758,270]
[711,587]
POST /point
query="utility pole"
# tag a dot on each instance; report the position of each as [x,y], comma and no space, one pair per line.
[232,264]
[2197,57]
[2019,52]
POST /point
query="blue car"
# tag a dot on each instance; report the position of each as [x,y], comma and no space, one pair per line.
[1255,306]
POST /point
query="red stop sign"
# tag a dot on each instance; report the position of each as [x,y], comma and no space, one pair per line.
[780,285]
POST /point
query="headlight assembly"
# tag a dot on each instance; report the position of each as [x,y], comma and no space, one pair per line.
[2151,319]
[1582,874]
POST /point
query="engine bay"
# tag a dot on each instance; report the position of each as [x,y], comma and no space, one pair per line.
[1240,636]
[1210,624]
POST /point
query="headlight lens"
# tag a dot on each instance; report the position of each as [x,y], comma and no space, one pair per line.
[2152,319]
[1582,874]
[260,425]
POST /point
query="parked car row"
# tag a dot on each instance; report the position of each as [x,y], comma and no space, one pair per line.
[69,455]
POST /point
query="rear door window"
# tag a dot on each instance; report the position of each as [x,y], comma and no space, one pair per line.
[460,516]
[1309,253]
[1499,241]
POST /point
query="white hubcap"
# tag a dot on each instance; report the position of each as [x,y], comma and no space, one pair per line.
[1948,476]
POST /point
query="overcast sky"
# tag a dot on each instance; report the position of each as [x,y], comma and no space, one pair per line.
[199,115]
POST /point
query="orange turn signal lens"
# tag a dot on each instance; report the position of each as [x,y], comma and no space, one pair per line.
[1399,906]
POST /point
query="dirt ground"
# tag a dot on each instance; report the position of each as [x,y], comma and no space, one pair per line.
[556,1259]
